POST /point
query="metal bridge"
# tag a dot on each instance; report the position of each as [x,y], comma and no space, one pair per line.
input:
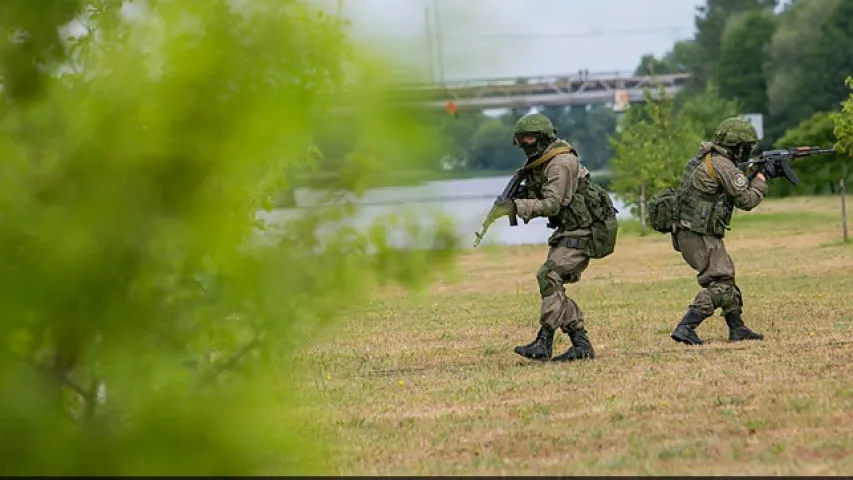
[616,88]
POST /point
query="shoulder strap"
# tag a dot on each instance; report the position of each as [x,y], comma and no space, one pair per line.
[710,167]
[544,158]
[688,169]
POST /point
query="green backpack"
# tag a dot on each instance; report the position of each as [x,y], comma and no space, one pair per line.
[663,210]
[664,206]
[604,225]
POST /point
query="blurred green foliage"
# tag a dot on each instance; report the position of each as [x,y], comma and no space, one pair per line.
[144,331]
[842,129]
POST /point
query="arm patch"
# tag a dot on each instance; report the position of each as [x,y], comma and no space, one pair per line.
[740,180]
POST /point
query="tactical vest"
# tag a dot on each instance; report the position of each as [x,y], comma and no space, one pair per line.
[707,214]
[590,208]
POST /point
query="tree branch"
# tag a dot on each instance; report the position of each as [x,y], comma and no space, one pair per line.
[231,361]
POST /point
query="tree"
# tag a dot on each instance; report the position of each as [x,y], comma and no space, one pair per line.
[711,20]
[143,330]
[589,133]
[842,128]
[492,148]
[795,53]
[740,74]
[818,175]
[707,109]
[680,59]
[826,87]
[652,148]
[587,129]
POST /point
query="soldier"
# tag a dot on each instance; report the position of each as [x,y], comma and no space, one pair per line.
[554,179]
[711,187]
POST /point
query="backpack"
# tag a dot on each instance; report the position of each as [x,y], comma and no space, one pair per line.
[604,224]
[663,210]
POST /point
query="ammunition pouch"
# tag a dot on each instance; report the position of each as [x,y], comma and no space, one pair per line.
[709,217]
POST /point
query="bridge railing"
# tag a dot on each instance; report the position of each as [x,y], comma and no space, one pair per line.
[511,81]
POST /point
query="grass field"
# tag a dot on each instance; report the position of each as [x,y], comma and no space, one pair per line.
[427,383]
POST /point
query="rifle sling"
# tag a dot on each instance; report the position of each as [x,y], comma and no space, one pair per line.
[544,158]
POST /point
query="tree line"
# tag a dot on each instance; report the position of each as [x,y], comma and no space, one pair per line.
[476,143]
[747,56]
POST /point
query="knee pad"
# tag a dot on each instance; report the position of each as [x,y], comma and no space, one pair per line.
[546,284]
[704,302]
[724,295]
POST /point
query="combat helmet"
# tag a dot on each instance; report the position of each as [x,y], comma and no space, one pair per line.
[538,126]
[737,136]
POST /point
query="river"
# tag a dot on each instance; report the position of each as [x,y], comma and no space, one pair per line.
[465,201]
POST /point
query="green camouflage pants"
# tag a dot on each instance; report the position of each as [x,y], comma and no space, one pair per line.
[563,265]
[716,272]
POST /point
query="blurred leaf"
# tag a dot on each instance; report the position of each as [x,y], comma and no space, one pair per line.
[146,328]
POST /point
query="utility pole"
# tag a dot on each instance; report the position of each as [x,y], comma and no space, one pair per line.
[429,39]
[439,49]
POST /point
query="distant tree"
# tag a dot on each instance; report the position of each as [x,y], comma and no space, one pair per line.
[652,148]
[492,149]
[680,59]
[707,109]
[740,73]
[591,128]
[842,123]
[818,175]
[799,56]
[710,21]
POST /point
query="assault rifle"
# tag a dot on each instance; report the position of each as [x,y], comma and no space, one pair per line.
[774,163]
[512,190]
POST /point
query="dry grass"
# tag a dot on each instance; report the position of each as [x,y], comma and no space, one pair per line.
[428,383]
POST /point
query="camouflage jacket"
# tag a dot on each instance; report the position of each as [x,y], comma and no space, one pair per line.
[550,188]
[725,178]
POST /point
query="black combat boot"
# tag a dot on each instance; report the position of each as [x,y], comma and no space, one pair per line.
[685,332]
[541,348]
[738,331]
[581,348]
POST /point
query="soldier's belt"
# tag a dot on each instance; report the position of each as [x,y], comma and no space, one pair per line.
[570,242]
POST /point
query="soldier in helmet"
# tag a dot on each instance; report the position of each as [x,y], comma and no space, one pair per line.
[555,177]
[711,187]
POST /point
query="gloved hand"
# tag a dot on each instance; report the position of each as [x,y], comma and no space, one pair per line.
[503,207]
[769,170]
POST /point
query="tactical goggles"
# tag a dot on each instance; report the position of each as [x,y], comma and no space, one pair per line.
[525,139]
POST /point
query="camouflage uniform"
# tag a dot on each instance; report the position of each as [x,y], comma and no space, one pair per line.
[549,190]
[712,186]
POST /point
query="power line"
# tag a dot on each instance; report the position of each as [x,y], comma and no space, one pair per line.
[593,34]
[544,36]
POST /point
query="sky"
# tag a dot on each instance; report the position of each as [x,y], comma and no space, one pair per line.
[484,39]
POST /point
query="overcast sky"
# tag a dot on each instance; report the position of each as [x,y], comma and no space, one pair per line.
[509,38]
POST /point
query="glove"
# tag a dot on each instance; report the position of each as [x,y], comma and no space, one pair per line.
[503,207]
[769,170]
